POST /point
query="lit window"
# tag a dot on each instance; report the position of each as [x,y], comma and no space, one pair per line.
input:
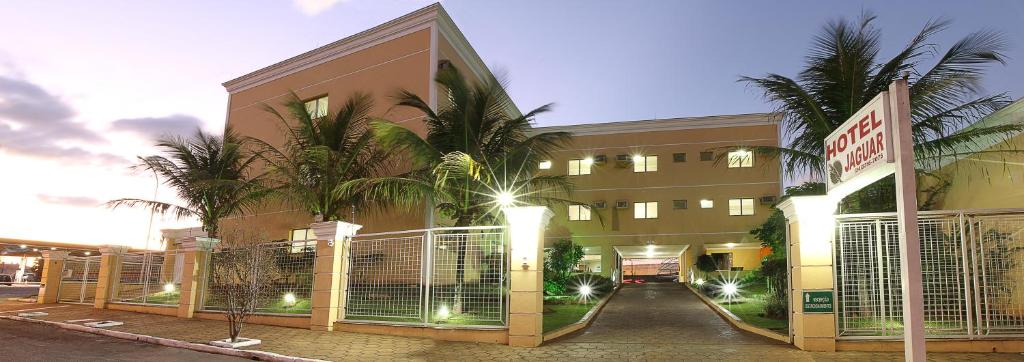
[645,163]
[645,210]
[545,165]
[741,207]
[300,234]
[707,204]
[302,240]
[741,158]
[317,107]
[579,167]
[579,213]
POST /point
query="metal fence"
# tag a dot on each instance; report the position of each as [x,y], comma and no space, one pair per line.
[78,280]
[972,266]
[292,272]
[440,276]
[151,278]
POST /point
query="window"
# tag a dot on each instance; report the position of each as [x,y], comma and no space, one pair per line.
[579,167]
[645,210]
[645,163]
[579,213]
[317,107]
[300,234]
[678,204]
[741,207]
[707,156]
[678,157]
[544,165]
[741,158]
[707,204]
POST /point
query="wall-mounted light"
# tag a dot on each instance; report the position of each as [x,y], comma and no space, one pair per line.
[544,165]
[638,158]
[588,161]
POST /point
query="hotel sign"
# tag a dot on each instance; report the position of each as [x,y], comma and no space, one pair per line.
[860,151]
[818,302]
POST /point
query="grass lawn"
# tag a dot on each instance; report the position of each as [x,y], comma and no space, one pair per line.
[560,315]
[749,308]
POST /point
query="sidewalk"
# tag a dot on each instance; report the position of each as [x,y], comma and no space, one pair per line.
[344,346]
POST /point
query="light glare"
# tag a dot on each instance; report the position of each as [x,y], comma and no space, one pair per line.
[585,291]
[730,289]
[443,312]
[289,299]
[505,199]
[169,288]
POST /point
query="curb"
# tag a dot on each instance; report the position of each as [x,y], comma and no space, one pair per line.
[583,322]
[735,321]
[167,342]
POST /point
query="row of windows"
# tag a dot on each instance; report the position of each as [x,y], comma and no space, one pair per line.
[649,163]
[649,209]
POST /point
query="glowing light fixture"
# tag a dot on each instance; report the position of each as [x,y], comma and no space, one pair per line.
[588,161]
[24,246]
[88,253]
[443,312]
[699,282]
[730,245]
[289,298]
[505,198]
[544,165]
[53,248]
[586,291]
[638,158]
[730,289]
[169,288]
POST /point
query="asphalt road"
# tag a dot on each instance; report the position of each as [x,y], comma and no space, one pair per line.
[16,291]
[23,341]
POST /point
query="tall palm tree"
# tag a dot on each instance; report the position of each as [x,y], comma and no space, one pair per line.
[209,173]
[474,158]
[321,154]
[844,71]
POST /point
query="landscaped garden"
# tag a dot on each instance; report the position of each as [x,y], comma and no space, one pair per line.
[569,296]
[755,297]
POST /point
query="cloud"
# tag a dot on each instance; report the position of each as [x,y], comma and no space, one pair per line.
[154,127]
[315,7]
[76,201]
[37,123]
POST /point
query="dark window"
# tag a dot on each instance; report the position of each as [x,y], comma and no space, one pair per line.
[678,204]
[707,156]
[678,157]
[723,261]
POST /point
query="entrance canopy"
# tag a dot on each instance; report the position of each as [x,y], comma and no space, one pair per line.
[650,251]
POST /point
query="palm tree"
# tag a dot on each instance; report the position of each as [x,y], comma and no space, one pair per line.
[210,174]
[323,153]
[844,71]
[474,158]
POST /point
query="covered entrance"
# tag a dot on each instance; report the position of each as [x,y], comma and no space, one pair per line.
[78,280]
[650,263]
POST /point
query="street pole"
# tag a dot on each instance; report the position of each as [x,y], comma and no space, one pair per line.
[906,213]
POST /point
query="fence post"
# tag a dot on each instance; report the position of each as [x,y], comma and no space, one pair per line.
[109,275]
[49,286]
[811,223]
[330,271]
[526,226]
[196,251]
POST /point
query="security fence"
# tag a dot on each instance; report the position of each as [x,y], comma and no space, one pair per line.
[78,279]
[972,266]
[440,276]
[289,268]
[151,278]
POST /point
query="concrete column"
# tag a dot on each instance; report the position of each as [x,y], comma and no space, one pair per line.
[195,251]
[811,225]
[685,263]
[109,275]
[608,255]
[526,293]
[49,286]
[330,272]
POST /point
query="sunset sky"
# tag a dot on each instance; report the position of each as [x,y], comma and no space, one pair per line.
[85,87]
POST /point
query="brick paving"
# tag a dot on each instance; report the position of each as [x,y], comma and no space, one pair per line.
[650,322]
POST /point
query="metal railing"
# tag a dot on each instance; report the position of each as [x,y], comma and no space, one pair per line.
[78,280]
[150,278]
[440,276]
[972,266]
[292,290]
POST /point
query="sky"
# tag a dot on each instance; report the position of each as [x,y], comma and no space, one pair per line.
[85,87]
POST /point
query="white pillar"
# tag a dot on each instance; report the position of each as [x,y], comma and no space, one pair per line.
[810,221]
[329,272]
[526,226]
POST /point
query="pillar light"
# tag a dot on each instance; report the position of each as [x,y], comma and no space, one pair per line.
[505,199]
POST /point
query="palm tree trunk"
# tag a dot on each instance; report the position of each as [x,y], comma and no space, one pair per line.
[460,265]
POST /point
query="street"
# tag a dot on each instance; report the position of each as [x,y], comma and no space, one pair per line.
[33,342]
[16,291]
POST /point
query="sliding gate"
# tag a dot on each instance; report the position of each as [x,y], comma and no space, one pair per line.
[78,280]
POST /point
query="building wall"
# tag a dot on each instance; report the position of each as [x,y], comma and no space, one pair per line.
[691,180]
[381,71]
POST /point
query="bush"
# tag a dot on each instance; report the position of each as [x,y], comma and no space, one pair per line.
[706,263]
[559,262]
[553,288]
[599,285]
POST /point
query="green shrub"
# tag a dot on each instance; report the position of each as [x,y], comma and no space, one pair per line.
[599,285]
[553,288]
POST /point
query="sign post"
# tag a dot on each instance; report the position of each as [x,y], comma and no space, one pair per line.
[906,216]
[874,143]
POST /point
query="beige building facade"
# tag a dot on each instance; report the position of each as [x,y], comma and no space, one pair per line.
[689,202]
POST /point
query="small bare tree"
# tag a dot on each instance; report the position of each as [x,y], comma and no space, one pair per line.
[242,274]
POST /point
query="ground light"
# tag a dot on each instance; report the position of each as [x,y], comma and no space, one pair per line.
[289,299]
[729,287]
[443,313]
[699,282]
[169,287]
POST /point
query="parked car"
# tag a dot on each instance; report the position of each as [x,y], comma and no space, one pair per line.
[30,278]
[6,279]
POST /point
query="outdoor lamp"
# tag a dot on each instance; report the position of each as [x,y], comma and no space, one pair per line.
[289,298]
[505,198]
[730,289]
[638,158]
[168,288]
[443,312]
[588,161]
[585,291]
[699,282]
